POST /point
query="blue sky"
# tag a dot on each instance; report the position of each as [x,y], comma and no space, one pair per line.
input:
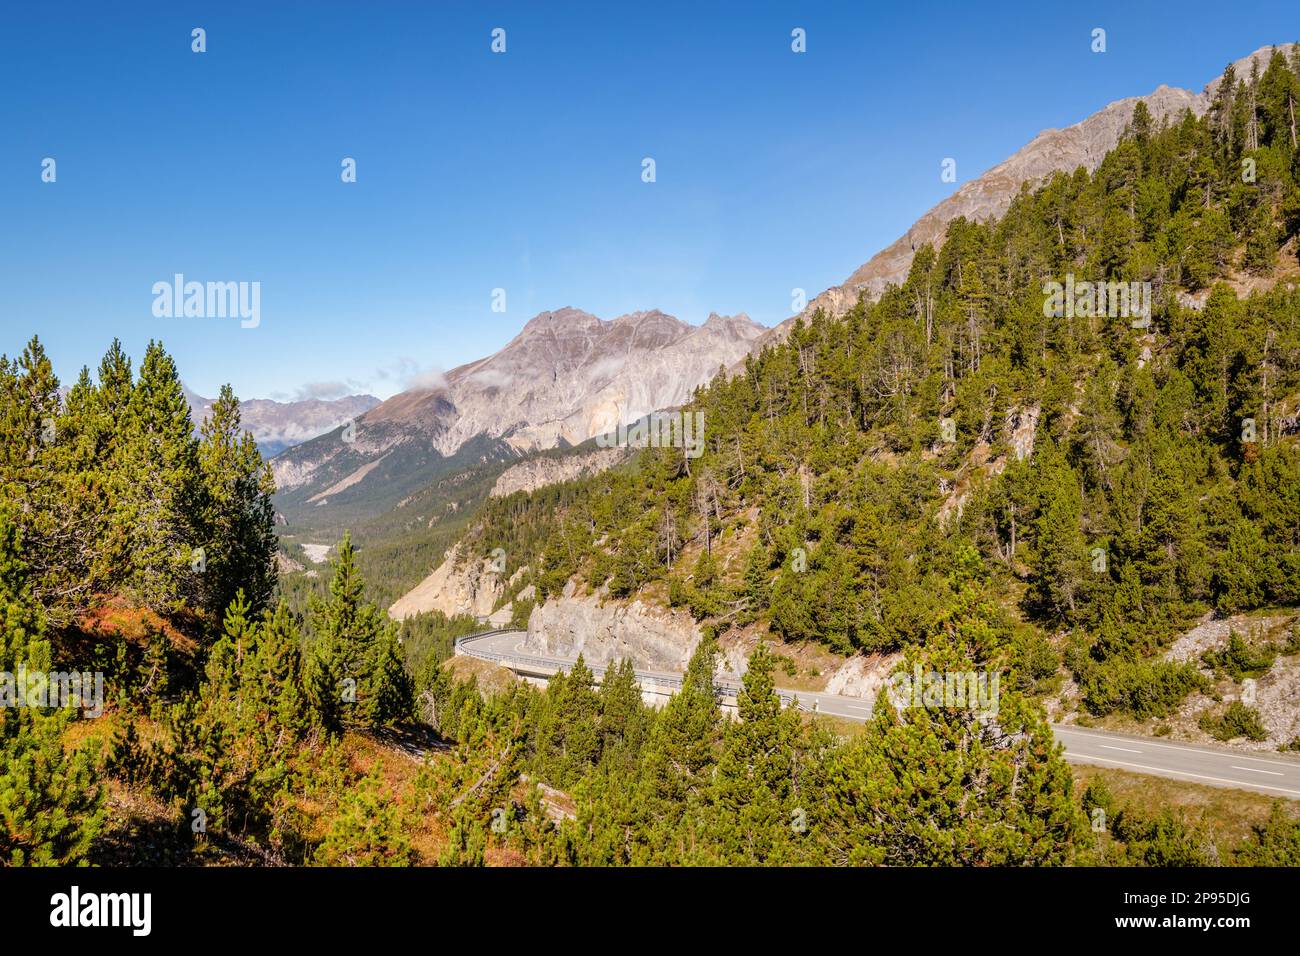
[519,171]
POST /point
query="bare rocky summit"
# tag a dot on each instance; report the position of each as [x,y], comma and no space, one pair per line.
[276,426]
[566,377]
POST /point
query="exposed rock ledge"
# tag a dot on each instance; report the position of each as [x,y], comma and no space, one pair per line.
[538,472]
[604,633]
[472,588]
[862,676]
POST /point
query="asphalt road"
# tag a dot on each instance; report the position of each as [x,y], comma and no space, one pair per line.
[1266,773]
[1262,772]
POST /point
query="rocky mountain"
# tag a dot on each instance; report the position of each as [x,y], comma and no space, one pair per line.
[566,377]
[280,425]
[455,587]
[533,473]
[989,195]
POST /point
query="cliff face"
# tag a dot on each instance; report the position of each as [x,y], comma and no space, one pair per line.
[607,632]
[472,588]
[538,472]
[863,677]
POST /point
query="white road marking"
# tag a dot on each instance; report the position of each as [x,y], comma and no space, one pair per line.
[1257,770]
[1164,771]
[1185,748]
[1125,749]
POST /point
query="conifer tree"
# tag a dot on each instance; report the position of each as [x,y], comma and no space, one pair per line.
[51,804]
[237,520]
[624,720]
[1060,555]
[678,761]
[357,677]
[158,471]
[753,794]
[945,785]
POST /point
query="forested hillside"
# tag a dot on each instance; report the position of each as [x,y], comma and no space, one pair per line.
[1108,478]
[1104,481]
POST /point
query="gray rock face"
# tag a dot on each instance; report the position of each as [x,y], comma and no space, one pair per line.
[607,632]
[863,676]
[538,472]
[471,587]
[566,377]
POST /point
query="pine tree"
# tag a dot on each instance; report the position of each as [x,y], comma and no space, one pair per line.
[943,785]
[753,802]
[1060,554]
[51,805]
[38,474]
[237,521]
[624,720]
[357,676]
[367,831]
[678,762]
[158,484]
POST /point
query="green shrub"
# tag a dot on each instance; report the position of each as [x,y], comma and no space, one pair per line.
[1237,720]
[1239,659]
[1142,689]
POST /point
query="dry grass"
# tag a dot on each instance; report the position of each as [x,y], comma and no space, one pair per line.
[1225,816]
[492,678]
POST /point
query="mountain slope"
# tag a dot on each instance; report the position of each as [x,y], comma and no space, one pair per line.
[566,377]
[1097,486]
[279,425]
[989,195]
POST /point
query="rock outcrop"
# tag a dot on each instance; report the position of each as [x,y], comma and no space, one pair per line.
[534,473]
[471,587]
[606,632]
[862,676]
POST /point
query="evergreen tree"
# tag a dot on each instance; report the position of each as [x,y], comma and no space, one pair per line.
[754,804]
[357,677]
[237,522]
[51,805]
[945,785]
[159,484]
[678,762]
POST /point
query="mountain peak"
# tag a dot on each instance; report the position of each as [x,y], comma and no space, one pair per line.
[561,320]
[738,324]
[989,194]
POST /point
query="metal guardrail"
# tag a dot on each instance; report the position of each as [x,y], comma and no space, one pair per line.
[598,670]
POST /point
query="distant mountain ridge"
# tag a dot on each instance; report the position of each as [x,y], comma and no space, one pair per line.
[566,377]
[276,426]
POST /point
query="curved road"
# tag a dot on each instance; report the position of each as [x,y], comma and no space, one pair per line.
[1274,775]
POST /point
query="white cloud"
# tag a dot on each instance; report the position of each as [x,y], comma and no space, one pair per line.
[326,391]
[431,379]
